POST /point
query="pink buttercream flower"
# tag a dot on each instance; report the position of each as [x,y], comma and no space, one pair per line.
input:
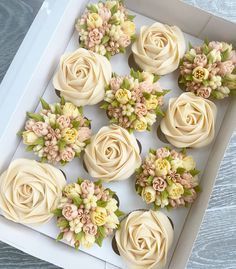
[85,217]
[70,211]
[104,13]
[200,60]
[28,125]
[225,68]
[215,45]
[162,153]
[124,41]
[67,154]
[87,187]
[140,109]
[159,184]
[115,83]
[204,92]
[90,228]
[63,121]
[95,37]
[233,56]
[40,128]
[84,133]
[69,237]
[145,86]
[80,213]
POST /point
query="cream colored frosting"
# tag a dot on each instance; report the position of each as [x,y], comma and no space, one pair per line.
[144,239]
[113,154]
[82,77]
[29,191]
[159,48]
[189,121]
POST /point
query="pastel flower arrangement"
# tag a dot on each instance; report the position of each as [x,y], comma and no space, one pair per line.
[106,28]
[209,70]
[167,179]
[87,213]
[134,101]
[58,133]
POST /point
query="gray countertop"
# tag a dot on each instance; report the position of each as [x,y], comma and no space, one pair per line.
[215,247]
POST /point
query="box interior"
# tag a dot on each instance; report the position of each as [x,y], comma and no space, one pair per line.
[201,24]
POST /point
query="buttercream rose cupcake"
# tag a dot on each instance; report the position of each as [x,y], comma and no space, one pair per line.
[87,213]
[113,154]
[134,101]
[189,121]
[159,48]
[58,133]
[208,70]
[144,239]
[106,28]
[167,178]
[82,76]
[30,191]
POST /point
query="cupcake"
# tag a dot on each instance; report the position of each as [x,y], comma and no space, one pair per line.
[30,191]
[209,70]
[134,101]
[106,28]
[113,154]
[167,179]
[82,76]
[144,239]
[189,121]
[58,133]
[159,48]
[87,213]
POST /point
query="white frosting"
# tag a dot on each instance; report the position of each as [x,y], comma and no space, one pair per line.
[82,77]
[29,191]
[113,154]
[189,121]
[159,48]
[144,239]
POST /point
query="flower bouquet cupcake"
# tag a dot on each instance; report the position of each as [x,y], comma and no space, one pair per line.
[87,213]
[58,133]
[106,28]
[209,70]
[167,178]
[134,101]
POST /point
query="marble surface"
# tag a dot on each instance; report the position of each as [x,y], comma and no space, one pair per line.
[215,247]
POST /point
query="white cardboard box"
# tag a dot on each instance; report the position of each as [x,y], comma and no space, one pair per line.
[29,77]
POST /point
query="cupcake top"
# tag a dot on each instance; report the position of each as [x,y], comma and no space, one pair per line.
[30,191]
[82,76]
[159,48]
[106,28]
[113,154]
[189,121]
[144,239]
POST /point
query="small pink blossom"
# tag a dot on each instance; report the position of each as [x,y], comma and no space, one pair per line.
[200,60]
[159,184]
[85,219]
[28,125]
[140,110]
[69,237]
[115,83]
[95,37]
[40,128]
[90,228]
[225,68]
[80,213]
[162,153]
[63,121]
[233,56]
[87,187]
[70,211]
[84,133]
[67,154]
[204,92]
[145,86]
[104,13]
[215,45]
[124,41]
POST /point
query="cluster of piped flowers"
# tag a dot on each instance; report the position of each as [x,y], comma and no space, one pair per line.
[134,101]
[87,213]
[209,70]
[167,178]
[58,133]
[106,28]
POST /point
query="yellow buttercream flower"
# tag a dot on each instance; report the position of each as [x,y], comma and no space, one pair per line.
[70,110]
[162,167]
[87,240]
[94,20]
[99,216]
[128,28]
[188,163]
[123,96]
[140,124]
[29,138]
[176,190]
[152,102]
[70,135]
[149,194]
[200,74]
